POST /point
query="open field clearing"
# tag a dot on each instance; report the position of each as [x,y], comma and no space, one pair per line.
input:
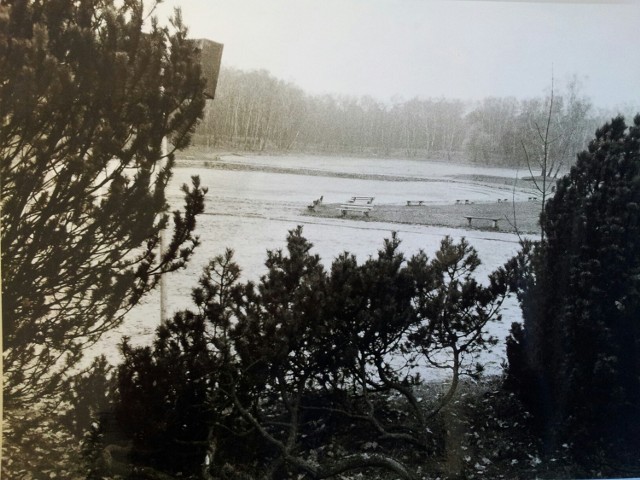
[251,210]
[332,165]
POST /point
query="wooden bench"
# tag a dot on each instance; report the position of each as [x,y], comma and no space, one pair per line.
[368,200]
[315,203]
[494,220]
[413,203]
[350,207]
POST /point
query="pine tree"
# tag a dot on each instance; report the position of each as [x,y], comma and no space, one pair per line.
[264,376]
[580,345]
[86,99]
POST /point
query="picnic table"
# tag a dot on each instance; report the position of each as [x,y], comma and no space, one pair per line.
[350,207]
[492,219]
[357,204]
[368,200]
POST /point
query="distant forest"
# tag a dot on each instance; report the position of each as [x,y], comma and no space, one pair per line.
[255,111]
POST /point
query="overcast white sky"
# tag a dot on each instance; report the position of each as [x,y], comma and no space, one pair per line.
[429,48]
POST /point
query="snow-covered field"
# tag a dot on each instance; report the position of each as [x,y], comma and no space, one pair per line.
[252,211]
[379,166]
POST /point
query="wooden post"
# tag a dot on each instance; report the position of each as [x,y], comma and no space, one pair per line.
[163,286]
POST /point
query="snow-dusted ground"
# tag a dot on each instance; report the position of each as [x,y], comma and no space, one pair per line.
[379,166]
[252,211]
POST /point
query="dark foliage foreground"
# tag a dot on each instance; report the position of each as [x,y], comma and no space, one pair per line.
[307,372]
[576,360]
[86,100]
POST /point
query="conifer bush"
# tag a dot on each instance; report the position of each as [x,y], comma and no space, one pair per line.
[307,371]
[87,98]
[576,359]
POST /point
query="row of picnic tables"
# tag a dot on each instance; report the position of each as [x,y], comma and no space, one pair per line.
[364,205]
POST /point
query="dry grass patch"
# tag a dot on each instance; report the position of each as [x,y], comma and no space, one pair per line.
[452,215]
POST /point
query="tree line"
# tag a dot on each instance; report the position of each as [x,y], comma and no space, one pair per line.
[256,111]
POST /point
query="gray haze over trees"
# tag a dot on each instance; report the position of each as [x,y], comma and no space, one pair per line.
[454,49]
[256,111]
